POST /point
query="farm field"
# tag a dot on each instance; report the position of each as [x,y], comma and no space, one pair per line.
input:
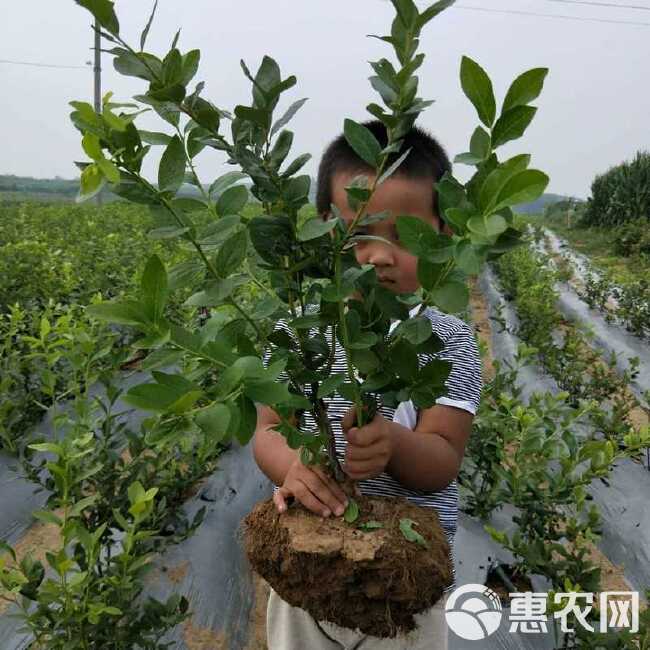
[170,355]
[554,393]
[596,244]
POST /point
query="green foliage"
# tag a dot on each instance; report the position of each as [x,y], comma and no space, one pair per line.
[620,194]
[563,347]
[46,356]
[536,456]
[410,534]
[110,525]
[632,238]
[68,254]
[351,513]
[629,302]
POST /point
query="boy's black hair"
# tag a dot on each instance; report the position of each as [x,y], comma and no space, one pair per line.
[427,159]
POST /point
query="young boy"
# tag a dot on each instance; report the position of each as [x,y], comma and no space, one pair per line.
[401,452]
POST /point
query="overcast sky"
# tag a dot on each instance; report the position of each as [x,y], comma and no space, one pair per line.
[594,111]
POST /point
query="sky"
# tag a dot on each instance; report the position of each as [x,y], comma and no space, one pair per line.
[594,111]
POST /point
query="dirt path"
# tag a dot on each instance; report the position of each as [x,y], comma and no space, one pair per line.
[481,319]
[39,539]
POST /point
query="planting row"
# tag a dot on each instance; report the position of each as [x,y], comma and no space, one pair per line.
[532,463]
[626,303]
[565,349]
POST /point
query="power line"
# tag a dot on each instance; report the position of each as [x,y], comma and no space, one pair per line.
[562,17]
[601,4]
[44,65]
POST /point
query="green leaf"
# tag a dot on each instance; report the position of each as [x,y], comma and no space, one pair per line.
[189,66]
[272,237]
[431,12]
[125,313]
[257,116]
[104,13]
[280,149]
[224,182]
[415,330]
[393,168]
[109,170]
[497,178]
[467,159]
[216,292]
[422,240]
[185,274]
[141,65]
[49,447]
[47,517]
[467,258]
[232,201]
[351,513]
[247,420]
[154,288]
[92,181]
[525,88]
[407,12]
[524,187]
[330,385]
[478,88]
[314,228]
[481,143]
[232,254]
[404,360]
[80,505]
[171,172]
[172,393]
[92,147]
[205,114]
[214,421]
[111,611]
[363,142]
[196,144]
[134,192]
[145,31]
[429,273]
[406,527]
[113,121]
[512,124]
[452,297]
[135,492]
[286,118]
[266,307]
[487,227]
[296,165]
[267,78]
[266,392]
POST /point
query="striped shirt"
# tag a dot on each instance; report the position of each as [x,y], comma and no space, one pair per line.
[462,390]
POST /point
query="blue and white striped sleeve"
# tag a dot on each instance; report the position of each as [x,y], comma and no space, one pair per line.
[465,382]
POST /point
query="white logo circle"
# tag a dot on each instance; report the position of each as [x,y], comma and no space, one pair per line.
[475,617]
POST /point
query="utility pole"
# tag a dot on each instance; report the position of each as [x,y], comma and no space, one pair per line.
[98,84]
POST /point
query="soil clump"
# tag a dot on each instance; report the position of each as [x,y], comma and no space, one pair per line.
[358,577]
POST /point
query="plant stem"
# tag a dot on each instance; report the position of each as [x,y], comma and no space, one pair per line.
[168,206]
[346,344]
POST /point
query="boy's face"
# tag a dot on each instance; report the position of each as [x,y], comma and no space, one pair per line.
[396,268]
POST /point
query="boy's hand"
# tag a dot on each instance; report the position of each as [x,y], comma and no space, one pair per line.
[313,488]
[369,448]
